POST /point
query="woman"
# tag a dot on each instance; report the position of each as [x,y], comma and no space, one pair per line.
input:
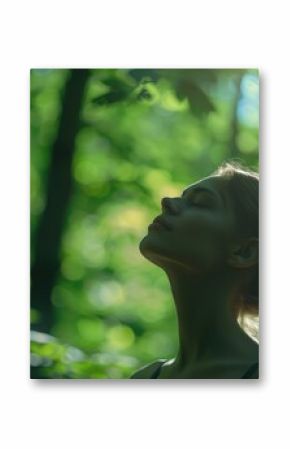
[207,243]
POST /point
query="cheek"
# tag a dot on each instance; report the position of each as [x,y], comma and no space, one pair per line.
[204,240]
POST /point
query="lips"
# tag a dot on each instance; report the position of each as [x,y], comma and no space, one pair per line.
[163,222]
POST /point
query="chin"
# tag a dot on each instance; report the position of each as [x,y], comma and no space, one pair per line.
[150,249]
[149,243]
[146,246]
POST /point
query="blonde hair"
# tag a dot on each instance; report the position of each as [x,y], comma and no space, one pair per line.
[243,190]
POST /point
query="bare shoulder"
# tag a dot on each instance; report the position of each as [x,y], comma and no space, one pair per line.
[146,371]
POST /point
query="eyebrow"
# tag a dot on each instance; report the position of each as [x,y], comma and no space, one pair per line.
[199,189]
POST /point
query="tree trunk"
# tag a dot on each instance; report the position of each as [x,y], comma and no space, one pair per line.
[48,236]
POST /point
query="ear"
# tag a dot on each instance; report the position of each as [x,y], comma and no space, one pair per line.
[245,253]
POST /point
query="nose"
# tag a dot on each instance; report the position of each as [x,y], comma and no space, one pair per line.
[169,204]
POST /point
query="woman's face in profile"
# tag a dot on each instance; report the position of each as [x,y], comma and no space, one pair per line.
[200,225]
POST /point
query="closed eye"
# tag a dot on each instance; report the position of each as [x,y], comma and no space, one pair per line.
[198,191]
[197,204]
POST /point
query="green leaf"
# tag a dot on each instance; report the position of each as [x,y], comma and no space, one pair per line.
[199,102]
[144,74]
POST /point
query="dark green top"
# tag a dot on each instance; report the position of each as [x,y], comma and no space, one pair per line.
[251,373]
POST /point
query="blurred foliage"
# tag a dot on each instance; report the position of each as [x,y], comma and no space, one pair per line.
[145,134]
[51,359]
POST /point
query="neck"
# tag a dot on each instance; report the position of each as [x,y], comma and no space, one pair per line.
[207,327]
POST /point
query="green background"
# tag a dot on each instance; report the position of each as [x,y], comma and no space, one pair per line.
[98,308]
